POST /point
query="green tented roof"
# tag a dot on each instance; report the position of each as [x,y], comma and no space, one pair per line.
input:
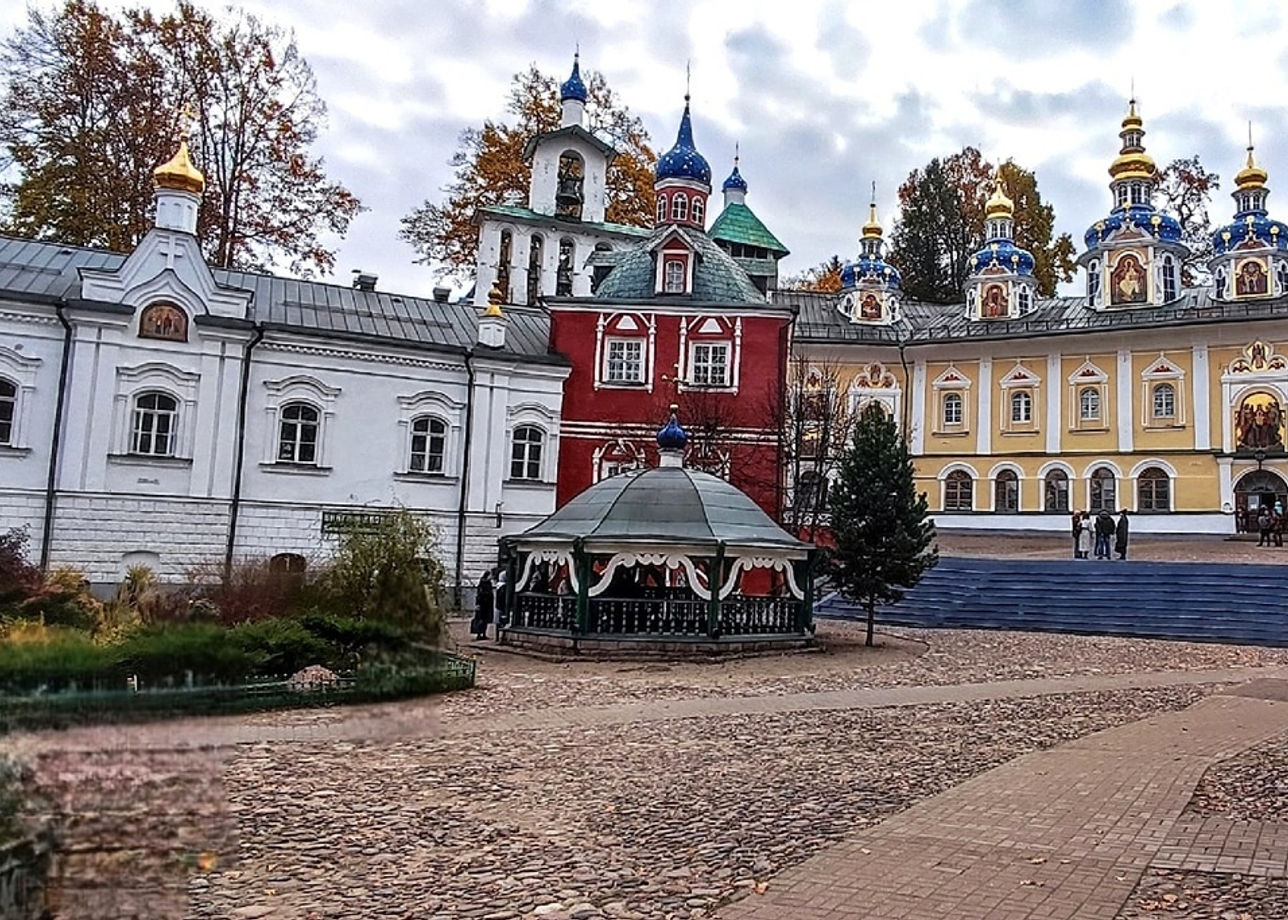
[521,213]
[717,278]
[737,223]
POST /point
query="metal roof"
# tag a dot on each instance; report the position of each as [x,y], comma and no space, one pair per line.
[737,223]
[37,269]
[517,212]
[663,506]
[717,278]
[821,320]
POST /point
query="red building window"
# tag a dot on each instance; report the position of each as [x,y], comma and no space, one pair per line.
[673,280]
[709,364]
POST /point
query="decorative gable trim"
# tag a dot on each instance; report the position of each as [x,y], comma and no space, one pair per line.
[1019,376]
[1086,373]
[951,379]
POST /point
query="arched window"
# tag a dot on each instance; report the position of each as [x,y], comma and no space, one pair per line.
[503,263]
[1093,283]
[1164,402]
[535,248]
[525,452]
[673,283]
[1055,491]
[288,564]
[1218,283]
[1120,196]
[1281,278]
[1137,193]
[952,410]
[1104,490]
[1021,407]
[1169,279]
[1089,404]
[1026,299]
[568,193]
[679,206]
[698,210]
[8,411]
[428,445]
[1153,490]
[1006,491]
[958,491]
[563,275]
[297,438]
[153,431]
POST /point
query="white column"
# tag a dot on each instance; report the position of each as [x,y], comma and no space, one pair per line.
[1126,412]
[1227,419]
[1225,475]
[917,412]
[984,410]
[1054,421]
[1199,379]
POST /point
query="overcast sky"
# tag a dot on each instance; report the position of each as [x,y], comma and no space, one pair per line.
[824,97]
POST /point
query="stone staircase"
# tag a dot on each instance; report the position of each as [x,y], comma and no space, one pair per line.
[1205,602]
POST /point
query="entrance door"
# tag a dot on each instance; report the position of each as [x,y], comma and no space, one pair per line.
[1254,490]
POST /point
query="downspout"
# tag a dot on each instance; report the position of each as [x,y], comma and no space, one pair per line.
[55,441]
[465,479]
[234,508]
[907,392]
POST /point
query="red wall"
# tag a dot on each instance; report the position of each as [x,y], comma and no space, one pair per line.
[754,465]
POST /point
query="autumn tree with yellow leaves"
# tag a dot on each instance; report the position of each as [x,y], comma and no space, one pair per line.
[489,168]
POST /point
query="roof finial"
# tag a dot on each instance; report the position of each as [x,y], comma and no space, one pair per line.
[736,153]
[688,79]
[874,193]
[1249,141]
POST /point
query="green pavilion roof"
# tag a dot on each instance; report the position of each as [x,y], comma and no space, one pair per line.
[737,223]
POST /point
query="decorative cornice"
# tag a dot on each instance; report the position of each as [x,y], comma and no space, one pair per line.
[367,357]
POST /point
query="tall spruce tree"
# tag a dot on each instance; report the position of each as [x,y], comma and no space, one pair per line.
[884,535]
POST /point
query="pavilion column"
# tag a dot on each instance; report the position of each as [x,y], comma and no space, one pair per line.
[511,586]
[805,622]
[715,579]
[582,561]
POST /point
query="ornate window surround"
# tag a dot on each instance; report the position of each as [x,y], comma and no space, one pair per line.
[1162,369]
[1019,379]
[700,330]
[435,405]
[155,376]
[1088,374]
[542,417]
[298,388]
[951,381]
[621,326]
[20,370]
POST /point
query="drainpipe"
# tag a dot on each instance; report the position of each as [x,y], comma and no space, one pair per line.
[234,507]
[55,440]
[907,392]
[465,479]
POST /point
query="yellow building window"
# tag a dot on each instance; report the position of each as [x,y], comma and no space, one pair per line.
[952,413]
[959,490]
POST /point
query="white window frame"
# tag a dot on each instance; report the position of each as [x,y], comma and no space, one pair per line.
[663,208]
[433,404]
[679,207]
[427,453]
[951,381]
[1158,390]
[541,444]
[953,397]
[301,388]
[674,272]
[696,210]
[708,364]
[146,422]
[1090,410]
[1150,379]
[1021,407]
[293,408]
[1020,380]
[624,343]
[20,371]
[155,376]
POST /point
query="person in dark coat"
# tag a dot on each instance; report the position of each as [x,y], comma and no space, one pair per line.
[1076,521]
[483,605]
[1104,530]
[1120,535]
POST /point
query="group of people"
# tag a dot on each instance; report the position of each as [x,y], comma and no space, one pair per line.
[1096,534]
[1270,524]
[489,602]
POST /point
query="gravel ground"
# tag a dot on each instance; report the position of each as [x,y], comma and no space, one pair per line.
[653,820]
[1250,787]
[1206,896]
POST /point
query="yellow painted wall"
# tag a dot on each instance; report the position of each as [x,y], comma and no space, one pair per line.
[1079,438]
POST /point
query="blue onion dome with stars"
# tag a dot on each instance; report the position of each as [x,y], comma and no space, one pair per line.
[735,182]
[1133,177]
[1251,221]
[573,87]
[999,248]
[672,436]
[870,265]
[683,160]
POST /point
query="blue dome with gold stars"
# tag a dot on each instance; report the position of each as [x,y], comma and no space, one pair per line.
[1143,217]
[872,268]
[1005,253]
[1256,227]
[573,88]
[735,181]
[683,160]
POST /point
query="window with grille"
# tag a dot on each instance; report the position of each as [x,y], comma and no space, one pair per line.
[153,430]
[625,361]
[710,364]
[673,282]
[8,411]
[428,445]
[1153,490]
[1104,490]
[297,439]
[525,452]
[1056,491]
[1021,408]
[958,491]
[1164,402]
[1089,404]
[680,207]
[952,410]
[1006,491]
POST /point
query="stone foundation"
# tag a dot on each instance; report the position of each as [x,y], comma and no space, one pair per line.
[560,646]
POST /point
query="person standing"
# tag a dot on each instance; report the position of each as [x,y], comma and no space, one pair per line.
[483,605]
[1085,535]
[1076,521]
[1263,526]
[1104,530]
[1120,535]
[498,608]
[1277,523]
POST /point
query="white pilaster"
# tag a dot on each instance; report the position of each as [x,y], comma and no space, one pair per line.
[917,412]
[1055,386]
[984,410]
[1201,382]
[1225,474]
[1125,411]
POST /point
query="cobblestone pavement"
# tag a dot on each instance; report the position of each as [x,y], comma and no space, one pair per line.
[1057,835]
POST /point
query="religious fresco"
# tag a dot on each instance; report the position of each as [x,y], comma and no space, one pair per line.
[995,302]
[1127,282]
[164,321]
[870,307]
[1259,423]
[875,377]
[1252,278]
[1258,358]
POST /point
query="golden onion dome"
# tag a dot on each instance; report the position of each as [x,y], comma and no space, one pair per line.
[999,204]
[872,229]
[1131,121]
[179,173]
[1251,176]
[1135,164]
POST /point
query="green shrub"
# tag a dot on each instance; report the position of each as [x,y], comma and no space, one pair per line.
[351,635]
[160,652]
[55,660]
[285,646]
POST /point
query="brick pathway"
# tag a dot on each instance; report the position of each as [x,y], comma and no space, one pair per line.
[1057,835]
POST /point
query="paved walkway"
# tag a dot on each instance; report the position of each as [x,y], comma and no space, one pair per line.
[1060,835]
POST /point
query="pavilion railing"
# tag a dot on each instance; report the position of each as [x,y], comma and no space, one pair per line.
[758,616]
[652,616]
[545,611]
[658,616]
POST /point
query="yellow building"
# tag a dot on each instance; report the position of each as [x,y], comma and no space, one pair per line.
[1139,395]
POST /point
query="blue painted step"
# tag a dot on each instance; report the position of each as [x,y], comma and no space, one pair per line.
[1206,602]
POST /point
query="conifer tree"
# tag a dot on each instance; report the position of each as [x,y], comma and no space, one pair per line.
[884,536]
